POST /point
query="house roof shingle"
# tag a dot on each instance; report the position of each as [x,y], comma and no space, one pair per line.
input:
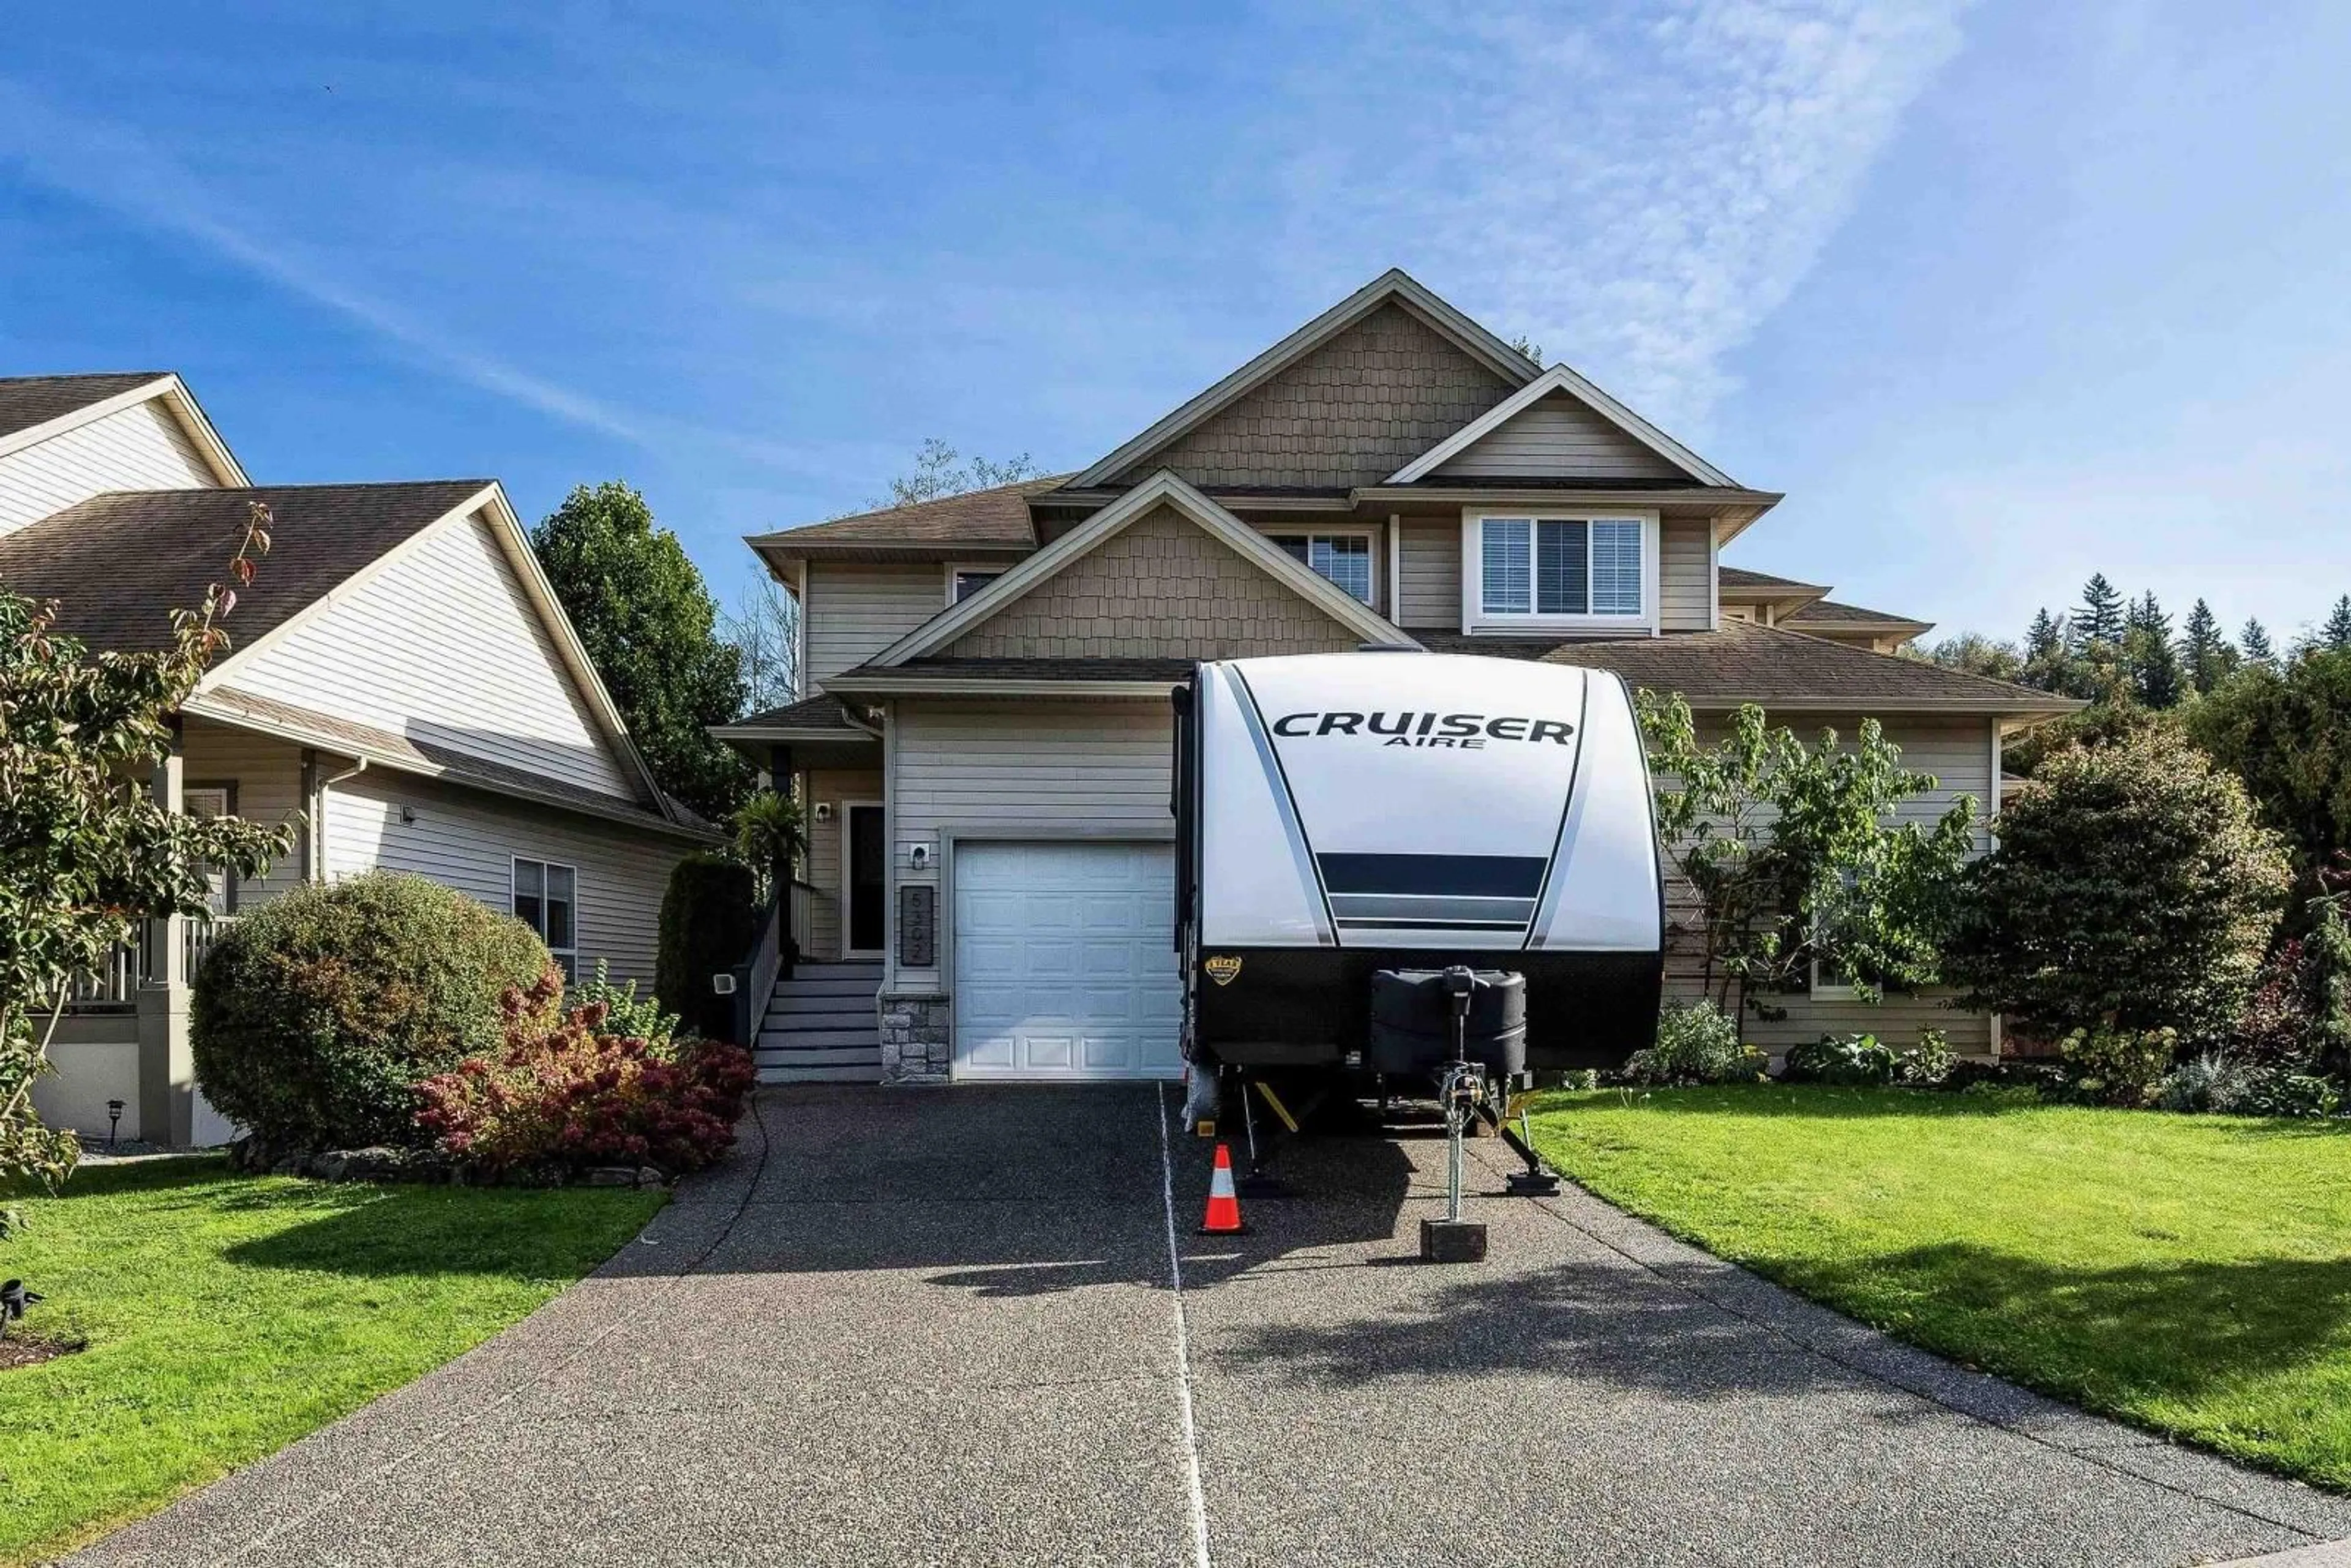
[996,518]
[28,401]
[810,713]
[1741,579]
[1829,612]
[119,564]
[1742,663]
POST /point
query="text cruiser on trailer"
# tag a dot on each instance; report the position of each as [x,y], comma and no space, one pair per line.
[1401,870]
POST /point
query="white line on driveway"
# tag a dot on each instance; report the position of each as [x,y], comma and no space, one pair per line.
[1196,1497]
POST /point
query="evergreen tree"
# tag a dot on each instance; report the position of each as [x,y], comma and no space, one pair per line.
[2044,637]
[2256,641]
[2156,680]
[2336,632]
[2204,650]
[652,630]
[2100,617]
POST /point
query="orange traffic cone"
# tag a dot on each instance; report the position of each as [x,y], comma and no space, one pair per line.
[1224,1215]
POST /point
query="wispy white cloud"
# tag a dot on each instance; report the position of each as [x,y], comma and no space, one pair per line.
[1635,192]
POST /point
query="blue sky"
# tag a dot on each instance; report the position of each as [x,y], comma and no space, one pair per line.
[1999,293]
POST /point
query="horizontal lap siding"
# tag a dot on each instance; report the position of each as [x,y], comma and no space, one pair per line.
[140,447]
[856,609]
[824,854]
[1960,755]
[442,646]
[1060,769]
[1686,574]
[1429,572]
[268,775]
[1558,438]
[467,841]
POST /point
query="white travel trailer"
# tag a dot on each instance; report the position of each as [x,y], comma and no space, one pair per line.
[1343,814]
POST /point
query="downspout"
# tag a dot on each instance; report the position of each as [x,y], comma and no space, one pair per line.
[318,831]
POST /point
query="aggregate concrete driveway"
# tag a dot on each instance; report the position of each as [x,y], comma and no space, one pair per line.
[938,1328]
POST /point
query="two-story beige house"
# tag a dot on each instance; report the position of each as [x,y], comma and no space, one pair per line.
[986,747]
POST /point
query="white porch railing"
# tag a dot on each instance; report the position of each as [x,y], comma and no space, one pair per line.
[196,940]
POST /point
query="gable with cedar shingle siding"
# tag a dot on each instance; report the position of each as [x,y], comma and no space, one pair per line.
[1350,413]
[1161,588]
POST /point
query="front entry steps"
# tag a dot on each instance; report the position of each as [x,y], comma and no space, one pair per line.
[821,1027]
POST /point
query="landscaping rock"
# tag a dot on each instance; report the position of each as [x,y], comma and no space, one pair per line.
[611,1175]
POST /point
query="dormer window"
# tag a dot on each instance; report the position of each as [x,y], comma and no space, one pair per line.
[1553,571]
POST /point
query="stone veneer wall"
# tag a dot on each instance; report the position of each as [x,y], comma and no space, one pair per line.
[917,1046]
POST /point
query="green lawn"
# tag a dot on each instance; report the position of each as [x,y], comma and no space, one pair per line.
[227,1315]
[2189,1273]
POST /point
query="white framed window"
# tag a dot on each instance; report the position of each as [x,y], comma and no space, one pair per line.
[546,899]
[1553,571]
[1343,559]
[214,800]
[965,579]
[1830,983]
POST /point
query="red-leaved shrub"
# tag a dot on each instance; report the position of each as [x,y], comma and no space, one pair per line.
[569,1096]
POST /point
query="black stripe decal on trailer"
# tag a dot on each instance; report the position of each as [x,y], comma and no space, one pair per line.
[1563,842]
[1432,924]
[1437,876]
[1301,852]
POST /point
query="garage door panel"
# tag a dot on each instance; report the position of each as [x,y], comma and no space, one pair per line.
[1063,967]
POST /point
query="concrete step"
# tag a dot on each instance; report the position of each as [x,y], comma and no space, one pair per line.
[837,1056]
[837,972]
[821,1074]
[816,1039]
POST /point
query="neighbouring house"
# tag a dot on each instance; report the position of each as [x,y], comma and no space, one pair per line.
[401,678]
[985,744]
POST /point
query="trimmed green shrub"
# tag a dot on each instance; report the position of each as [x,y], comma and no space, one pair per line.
[2132,889]
[707,925]
[318,1014]
[1698,1043]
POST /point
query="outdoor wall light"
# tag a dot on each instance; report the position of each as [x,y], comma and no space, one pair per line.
[407,816]
[824,811]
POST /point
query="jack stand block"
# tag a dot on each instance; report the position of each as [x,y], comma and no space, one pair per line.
[1532,1183]
[1452,1241]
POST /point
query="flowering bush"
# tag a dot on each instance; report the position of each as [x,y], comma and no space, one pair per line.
[569,1096]
[2118,1066]
[1698,1043]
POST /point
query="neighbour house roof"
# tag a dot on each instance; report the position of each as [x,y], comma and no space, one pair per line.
[29,401]
[1742,663]
[119,564]
[995,519]
[409,754]
[35,408]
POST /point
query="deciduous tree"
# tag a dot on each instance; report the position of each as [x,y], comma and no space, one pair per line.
[1792,853]
[89,851]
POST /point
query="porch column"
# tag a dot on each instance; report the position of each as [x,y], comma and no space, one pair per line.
[167,1072]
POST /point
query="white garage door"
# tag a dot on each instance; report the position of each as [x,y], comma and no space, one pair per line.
[1064,966]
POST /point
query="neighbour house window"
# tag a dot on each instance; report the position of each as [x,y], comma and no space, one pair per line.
[1588,568]
[964,582]
[1343,560]
[546,899]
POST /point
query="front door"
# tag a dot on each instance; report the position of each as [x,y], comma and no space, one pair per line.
[865,877]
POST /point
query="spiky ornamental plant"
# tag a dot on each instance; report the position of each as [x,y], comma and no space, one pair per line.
[86,850]
[1791,853]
